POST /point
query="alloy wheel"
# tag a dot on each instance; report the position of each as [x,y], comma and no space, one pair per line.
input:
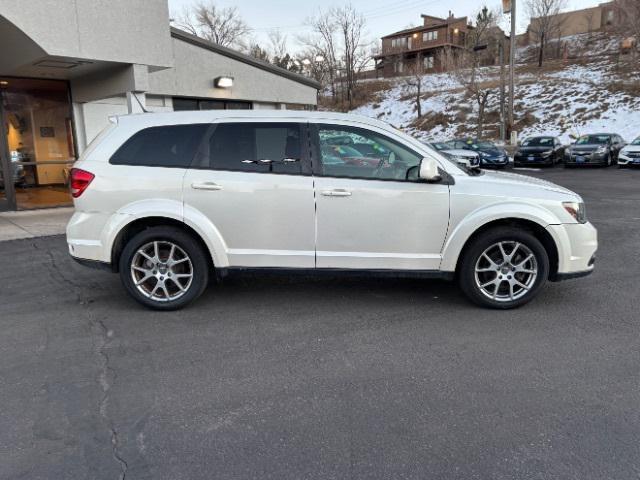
[506,271]
[161,271]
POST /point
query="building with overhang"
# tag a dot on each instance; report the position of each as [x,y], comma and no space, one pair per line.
[66,66]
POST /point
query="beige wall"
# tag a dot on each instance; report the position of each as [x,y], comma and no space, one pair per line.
[574,22]
[196,67]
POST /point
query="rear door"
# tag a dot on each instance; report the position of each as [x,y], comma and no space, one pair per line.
[253,181]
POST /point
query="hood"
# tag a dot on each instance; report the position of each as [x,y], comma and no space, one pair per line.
[515,179]
[461,153]
[632,148]
[493,152]
[587,147]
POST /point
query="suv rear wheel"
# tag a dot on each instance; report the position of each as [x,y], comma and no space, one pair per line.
[504,268]
[164,268]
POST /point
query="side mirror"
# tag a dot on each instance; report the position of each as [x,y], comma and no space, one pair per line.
[429,170]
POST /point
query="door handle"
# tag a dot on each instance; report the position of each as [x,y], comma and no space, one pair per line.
[206,186]
[336,192]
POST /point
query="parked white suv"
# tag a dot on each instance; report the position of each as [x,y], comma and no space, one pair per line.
[169,199]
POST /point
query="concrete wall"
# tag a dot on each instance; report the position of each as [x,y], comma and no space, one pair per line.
[196,67]
[128,31]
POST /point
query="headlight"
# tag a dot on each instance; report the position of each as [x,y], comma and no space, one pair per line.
[547,154]
[601,150]
[576,210]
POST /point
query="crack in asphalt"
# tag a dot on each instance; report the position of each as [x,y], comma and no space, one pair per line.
[102,338]
[107,378]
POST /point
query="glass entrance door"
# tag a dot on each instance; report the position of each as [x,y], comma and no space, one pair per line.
[38,142]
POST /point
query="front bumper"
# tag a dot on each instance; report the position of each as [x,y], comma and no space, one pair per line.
[532,160]
[577,244]
[628,160]
[494,161]
[586,158]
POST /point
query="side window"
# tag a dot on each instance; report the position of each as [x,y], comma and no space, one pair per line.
[358,153]
[257,147]
[167,146]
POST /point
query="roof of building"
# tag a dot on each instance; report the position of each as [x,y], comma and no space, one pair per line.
[241,57]
[423,27]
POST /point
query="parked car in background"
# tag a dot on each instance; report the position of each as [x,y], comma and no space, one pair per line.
[467,158]
[630,155]
[543,150]
[170,199]
[490,154]
[600,149]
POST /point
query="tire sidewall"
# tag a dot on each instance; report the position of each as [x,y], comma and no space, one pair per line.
[193,249]
[466,273]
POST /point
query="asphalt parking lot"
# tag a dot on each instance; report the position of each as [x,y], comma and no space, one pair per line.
[325,378]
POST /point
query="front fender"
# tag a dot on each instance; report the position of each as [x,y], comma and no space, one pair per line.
[465,227]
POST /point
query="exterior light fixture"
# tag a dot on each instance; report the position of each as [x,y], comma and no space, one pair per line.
[223,82]
[4,83]
[456,31]
[415,35]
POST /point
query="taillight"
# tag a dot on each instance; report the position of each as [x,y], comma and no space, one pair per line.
[80,180]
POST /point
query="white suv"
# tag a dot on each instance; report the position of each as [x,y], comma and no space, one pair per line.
[169,199]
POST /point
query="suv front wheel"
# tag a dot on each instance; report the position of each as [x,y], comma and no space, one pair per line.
[164,268]
[504,268]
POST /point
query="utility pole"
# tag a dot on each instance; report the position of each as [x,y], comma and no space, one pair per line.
[512,64]
[503,127]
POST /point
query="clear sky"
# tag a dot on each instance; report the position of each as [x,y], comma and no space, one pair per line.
[383,16]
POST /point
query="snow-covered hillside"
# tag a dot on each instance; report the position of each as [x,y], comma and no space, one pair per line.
[570,99]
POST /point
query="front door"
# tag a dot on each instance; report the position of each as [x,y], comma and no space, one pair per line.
[371,212]
[253,182]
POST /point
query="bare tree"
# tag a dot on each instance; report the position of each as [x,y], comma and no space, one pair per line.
[414,84]
[545,22]
[223,26]
[323,41]
[627,20]
[277,43]
[485,36]
[351,29]
[466,71]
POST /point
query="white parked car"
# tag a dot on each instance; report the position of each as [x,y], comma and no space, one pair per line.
[630,155]
[466,158]
[168,199]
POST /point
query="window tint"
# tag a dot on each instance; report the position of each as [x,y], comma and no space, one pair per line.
[368,155]
[169,146]
[257,147]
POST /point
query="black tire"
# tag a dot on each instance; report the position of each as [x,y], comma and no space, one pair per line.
[467,267]
[199,267]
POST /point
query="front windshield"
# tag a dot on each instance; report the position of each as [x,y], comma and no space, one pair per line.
[538,142]
[593,140]
[636,141]
[480,145]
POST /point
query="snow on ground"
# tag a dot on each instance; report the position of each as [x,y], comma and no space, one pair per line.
[578,99]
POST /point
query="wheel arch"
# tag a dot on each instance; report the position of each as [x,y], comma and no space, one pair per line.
[455,248]
[138,225]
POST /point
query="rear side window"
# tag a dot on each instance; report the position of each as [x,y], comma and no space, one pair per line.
[167,146]
[257,147]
